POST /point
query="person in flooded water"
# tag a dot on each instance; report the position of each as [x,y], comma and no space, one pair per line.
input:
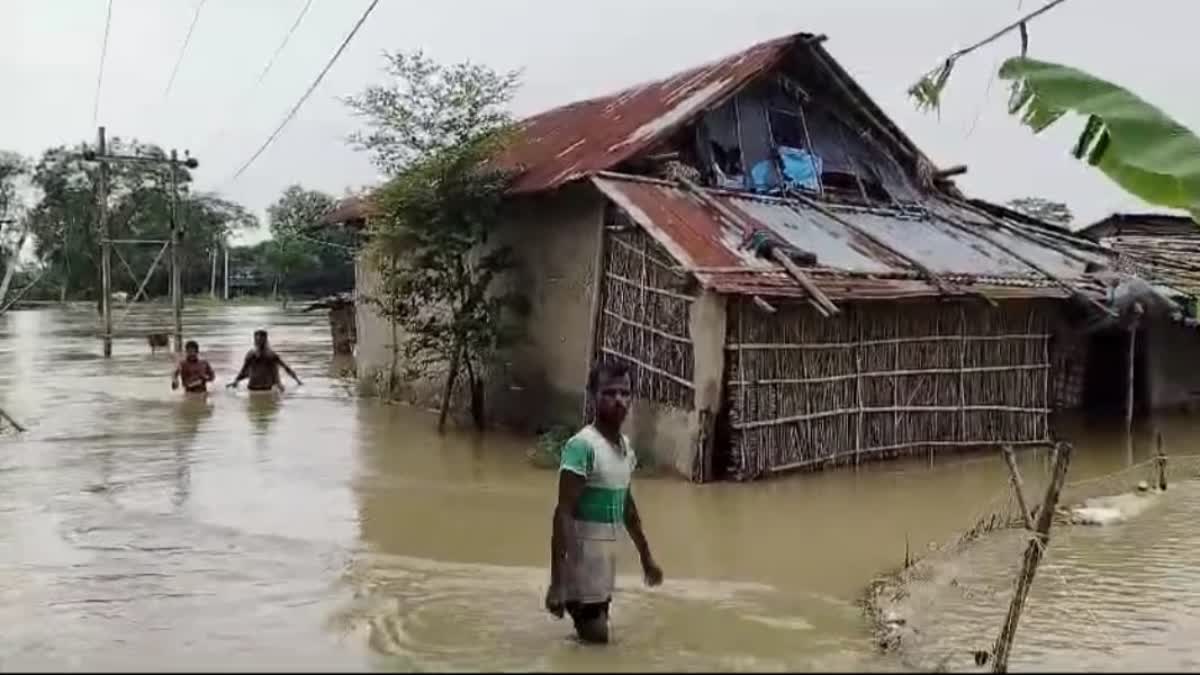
[594,500]
[194,371]
[262,366]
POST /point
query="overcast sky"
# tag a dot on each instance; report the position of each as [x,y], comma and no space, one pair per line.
[568,49]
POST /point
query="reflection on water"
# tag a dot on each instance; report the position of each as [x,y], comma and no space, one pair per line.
[140,528]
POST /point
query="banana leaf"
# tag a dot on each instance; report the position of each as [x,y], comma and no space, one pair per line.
[1134,143]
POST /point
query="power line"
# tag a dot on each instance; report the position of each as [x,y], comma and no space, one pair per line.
[292,113]
[183,49]
[100,72]
[271,62]
[1016,25]
[267,68]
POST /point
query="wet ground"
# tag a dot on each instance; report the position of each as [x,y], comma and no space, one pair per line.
[142,529]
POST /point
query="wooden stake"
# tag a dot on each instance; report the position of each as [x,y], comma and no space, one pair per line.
[1162,465]
[1033,556]
[1018,486]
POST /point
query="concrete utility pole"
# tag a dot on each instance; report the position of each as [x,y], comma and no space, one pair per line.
[226,276]
[212,280]
[105,242]
[100,154]
[176,275]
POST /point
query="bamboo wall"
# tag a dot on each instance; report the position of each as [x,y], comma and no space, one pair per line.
[1069,351]
[881,379]
[644,316]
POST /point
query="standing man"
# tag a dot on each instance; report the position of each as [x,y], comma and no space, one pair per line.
[262,366]
[195,372]
[594,502]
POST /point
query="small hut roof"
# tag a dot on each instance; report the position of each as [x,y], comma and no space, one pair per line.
[850,265]
[577,140]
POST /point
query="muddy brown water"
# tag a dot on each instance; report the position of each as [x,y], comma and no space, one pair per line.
[143,530]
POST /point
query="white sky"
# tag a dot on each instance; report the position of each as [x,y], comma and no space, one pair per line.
[569,49]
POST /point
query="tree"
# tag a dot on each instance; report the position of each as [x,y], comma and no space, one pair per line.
[310,257]
[63,221]
[1139,147]
[13,229]
[433,129]
[1055,213]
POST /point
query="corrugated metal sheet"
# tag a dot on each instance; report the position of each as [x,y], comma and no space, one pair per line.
[349,210]
[848,264]
[579,139]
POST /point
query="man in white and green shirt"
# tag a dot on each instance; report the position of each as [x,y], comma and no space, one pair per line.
[594,502]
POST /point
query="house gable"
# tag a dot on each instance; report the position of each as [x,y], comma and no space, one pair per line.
[726,120]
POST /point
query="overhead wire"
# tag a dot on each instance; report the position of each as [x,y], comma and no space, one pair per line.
[183,49]
[262,75]
[316,82]
[1015,25]
[100,71]
[988,90]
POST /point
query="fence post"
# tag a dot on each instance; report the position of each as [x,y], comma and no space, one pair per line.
[1040,538]
[1018,487]
[1161,460]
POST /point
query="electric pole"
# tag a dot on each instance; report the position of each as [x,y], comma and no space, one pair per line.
[212,280]
[100,154]
[176,275]
[105,242]
[226,276]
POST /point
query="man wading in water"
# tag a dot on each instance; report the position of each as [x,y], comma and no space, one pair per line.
[262,367]
[193,370]
[594,500]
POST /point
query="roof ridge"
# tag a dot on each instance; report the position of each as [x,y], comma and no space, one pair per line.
[643,84]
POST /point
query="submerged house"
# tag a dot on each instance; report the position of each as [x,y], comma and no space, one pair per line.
[1165,248]
[791,280]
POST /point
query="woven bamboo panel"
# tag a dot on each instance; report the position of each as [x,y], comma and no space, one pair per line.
[645,307]
[883,379]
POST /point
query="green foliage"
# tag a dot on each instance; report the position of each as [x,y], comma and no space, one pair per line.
[64,220]
[428,108]
[433,128]
[547,451]
[304,257]
[13,168]
[1135,144]
[438,268]
[1055,213]
[927,91]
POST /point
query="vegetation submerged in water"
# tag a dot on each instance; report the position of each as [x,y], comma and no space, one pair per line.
[547,451]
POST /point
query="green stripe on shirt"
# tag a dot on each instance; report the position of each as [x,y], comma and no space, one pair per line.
[602,505]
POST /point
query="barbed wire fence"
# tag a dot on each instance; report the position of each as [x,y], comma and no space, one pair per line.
[1002,512]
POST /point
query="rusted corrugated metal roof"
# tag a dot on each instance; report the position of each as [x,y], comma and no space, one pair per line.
[349,210]
[848,264]
[579,139]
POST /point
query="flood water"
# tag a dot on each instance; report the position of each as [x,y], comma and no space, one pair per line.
[143,530]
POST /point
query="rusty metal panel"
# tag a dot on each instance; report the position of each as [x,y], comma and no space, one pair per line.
[579,139]
[848,265]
